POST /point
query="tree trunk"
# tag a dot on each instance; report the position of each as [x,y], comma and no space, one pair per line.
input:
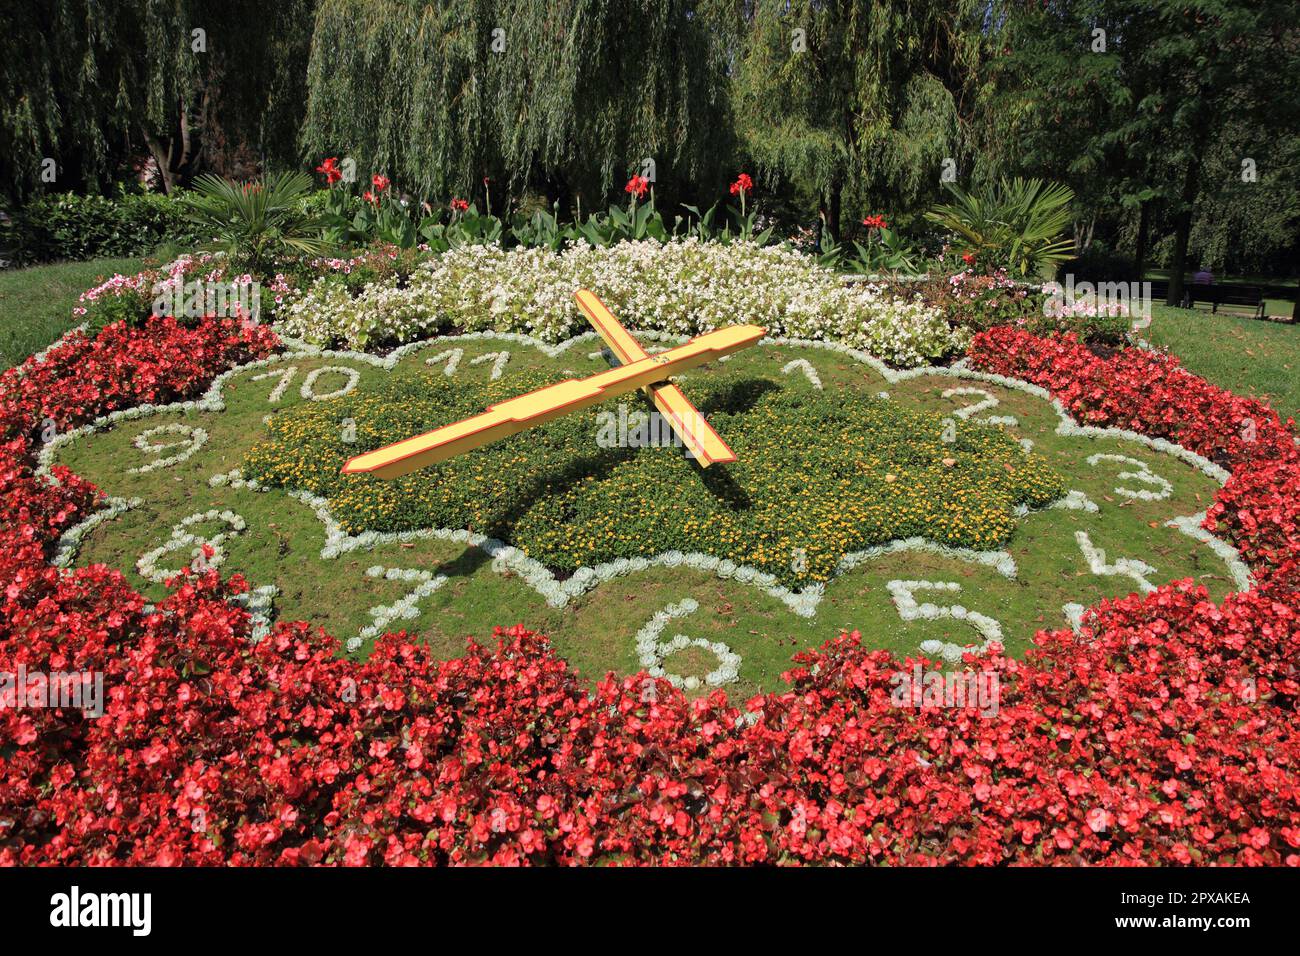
[837,196]
[1143,238]
[1083,236]
[162,160]
[180,155]
[1182,232]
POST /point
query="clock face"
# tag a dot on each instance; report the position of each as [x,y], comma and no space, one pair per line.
[930,510]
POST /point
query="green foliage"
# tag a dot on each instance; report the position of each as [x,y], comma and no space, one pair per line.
[864,111]
[258,223]
[470,228]
[68,226]
[816,477]
[1017,224]
[1147,109]
[541,229]
[566,96]
[885,251]
[88,84]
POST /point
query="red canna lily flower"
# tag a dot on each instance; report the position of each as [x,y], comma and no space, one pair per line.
[370,197]
[875,222]
[743,184]
[968,257]
[329,168]
[637,186]
[459,205]
[380,182]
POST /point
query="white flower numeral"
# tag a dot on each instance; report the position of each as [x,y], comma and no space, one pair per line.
[308,389]
[191,439]
[988,401]
[406,608]
[498,360]
[182,538]
[806,367]
[285,375]
[452,359]
[1123,567]
[652,651]
[1143,474]
[904,598]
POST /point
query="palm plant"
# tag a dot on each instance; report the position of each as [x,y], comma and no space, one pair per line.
[260,222]
[1018,224]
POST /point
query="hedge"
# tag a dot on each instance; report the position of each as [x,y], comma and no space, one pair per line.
[65,226]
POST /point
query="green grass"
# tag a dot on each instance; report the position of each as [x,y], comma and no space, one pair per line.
[36,303]
[597,630]
[1245,355]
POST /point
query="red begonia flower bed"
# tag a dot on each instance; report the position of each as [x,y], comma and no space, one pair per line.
[1166,733]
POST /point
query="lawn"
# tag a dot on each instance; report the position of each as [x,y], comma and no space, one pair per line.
[36,303]
[348,589]
[1244,355]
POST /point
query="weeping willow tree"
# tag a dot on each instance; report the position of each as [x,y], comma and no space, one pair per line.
[860,102]
[89,84]
[559,96]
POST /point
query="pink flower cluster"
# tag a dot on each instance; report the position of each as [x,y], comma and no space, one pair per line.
[1164,734]
[148,283]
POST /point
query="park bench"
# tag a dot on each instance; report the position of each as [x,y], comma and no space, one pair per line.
[1216,295]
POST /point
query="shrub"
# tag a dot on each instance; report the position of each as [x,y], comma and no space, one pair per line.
[257,224]
[1015,224]
[67,226]
[977,302]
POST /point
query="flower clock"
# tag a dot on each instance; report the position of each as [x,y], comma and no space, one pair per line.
[1105,535]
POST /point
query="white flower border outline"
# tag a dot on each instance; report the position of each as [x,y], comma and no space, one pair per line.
[507,558]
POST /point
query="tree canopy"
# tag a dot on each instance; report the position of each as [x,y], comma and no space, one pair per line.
[562,97]
[1171,120]
[91,84]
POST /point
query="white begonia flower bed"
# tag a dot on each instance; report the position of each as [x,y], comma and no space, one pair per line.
[683,287]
